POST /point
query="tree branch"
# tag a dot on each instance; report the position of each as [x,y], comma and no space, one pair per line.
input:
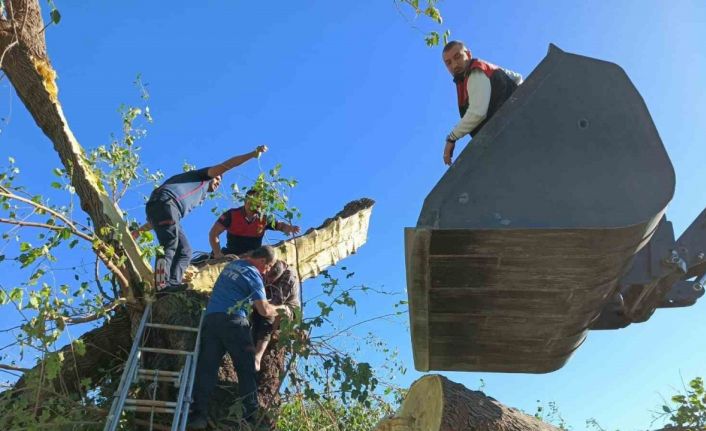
[99,247]
[96,315]
[13,368]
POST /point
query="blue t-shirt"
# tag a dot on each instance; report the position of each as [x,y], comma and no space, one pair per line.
[239,284]
[188,189]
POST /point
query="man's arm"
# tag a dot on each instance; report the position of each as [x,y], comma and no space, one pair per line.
[231,163]
[266,309]
[287,228]
[514,76]
[213,239]
[478,88]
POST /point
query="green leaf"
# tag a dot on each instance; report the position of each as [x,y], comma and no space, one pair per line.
[56,185]
[25,246]
[16,295]
[55,16]
[79,347]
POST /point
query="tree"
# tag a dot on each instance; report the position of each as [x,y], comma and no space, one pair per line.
[66,385]
[68,374]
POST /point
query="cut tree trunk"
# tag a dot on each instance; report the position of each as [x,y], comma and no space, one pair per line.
[435,403]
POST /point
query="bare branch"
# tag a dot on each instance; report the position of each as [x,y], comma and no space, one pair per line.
[96,315]
[13,368]
[46,226]
[98,245]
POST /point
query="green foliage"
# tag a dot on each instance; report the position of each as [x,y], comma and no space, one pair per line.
[551,415]
[300,414]
[430,10]
[331,386]
[270,197]
[118,164]
[687,409]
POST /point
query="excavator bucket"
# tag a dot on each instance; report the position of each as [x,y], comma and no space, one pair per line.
[524,239]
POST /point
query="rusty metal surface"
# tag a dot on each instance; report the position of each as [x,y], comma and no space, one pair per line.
[524,240]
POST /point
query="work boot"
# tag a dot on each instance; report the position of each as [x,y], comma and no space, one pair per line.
[198,422]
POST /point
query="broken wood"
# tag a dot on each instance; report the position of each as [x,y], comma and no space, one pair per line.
[318,248]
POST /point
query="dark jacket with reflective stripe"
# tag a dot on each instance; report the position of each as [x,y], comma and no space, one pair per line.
[188,189]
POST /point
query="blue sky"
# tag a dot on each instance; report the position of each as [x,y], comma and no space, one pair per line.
[353,104]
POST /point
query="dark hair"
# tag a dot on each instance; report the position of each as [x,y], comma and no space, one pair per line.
[277,270]
[453,43]
[265,252]
[251,192]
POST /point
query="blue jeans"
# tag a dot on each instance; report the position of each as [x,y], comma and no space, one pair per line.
[223,333]
[164,216]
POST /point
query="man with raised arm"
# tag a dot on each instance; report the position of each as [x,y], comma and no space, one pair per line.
[481,88]
[226,328]
[173,200]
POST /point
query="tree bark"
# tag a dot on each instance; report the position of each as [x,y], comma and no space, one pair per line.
[26,64]
[435,403]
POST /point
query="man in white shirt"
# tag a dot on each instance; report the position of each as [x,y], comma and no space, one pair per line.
[481,88]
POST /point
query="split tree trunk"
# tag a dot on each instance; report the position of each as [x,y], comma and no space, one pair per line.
[435,403]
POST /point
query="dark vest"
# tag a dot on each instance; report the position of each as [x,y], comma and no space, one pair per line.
[501,87]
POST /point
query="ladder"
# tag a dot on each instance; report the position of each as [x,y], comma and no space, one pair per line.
[134,372]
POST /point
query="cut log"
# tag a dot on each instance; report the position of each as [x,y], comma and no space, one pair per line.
[435,403]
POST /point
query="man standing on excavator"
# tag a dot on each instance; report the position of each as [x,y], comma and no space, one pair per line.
[481,87]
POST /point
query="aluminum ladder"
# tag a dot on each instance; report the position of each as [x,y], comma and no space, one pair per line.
[134,372]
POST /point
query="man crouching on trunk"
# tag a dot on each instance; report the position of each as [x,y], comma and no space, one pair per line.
[226,329]
[282,288]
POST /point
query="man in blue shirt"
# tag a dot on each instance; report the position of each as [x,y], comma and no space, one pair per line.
[226,329]
[172,201]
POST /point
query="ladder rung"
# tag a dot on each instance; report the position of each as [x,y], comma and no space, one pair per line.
[162,373]
[158,378]
[149,403]
[165,351]
[172,327]
[148,409]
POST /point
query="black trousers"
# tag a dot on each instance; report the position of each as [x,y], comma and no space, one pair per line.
[164,216]
[223,333]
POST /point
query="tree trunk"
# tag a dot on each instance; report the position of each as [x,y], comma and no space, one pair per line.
[108,345]
[26,64]
[435,403]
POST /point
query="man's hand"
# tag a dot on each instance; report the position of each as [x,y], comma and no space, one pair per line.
[283,310]
[449,152]
[260,149]
[292,230]
[217,254]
